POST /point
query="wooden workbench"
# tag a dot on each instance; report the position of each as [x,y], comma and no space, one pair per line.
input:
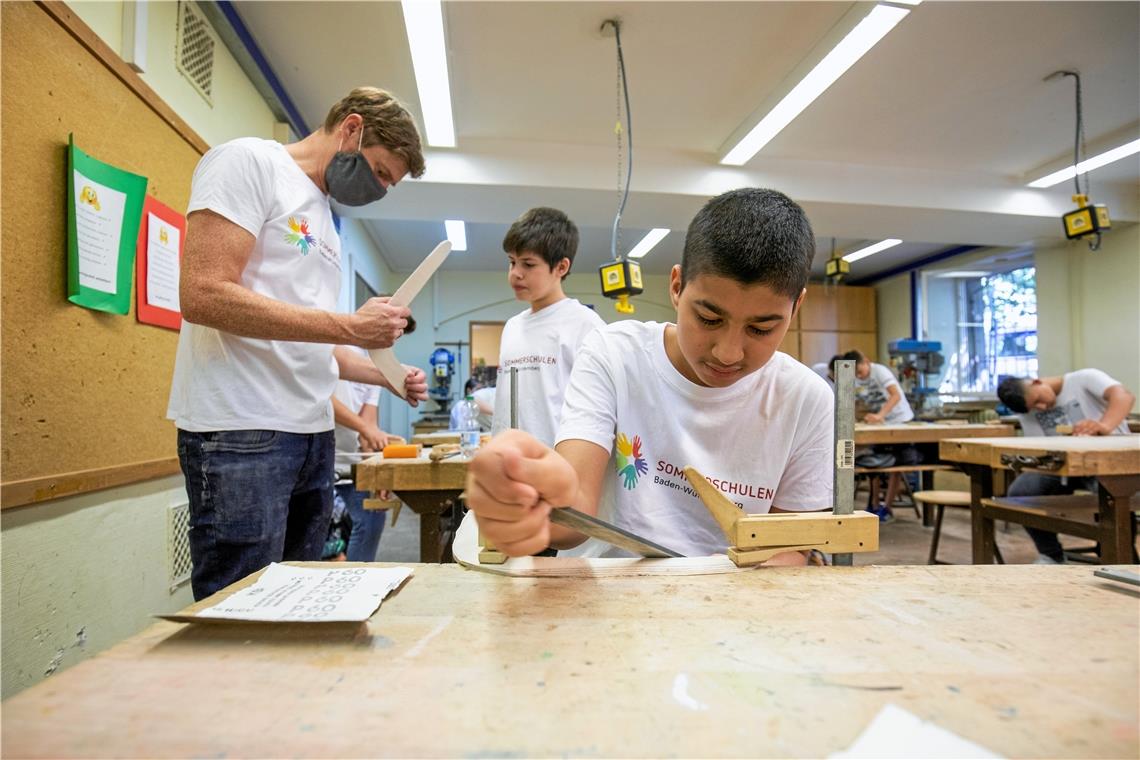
[1114,460]
[1024,660]
[924,432]
[431,489]
[436,438]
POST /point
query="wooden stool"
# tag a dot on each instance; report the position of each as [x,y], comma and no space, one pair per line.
[940,500]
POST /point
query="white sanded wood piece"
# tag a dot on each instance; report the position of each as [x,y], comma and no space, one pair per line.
[465,549]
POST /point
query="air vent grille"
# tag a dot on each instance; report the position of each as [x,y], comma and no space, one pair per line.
[178,545]
[194,55]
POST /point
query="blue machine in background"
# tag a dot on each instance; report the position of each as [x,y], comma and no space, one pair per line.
[917,364]
[442,370]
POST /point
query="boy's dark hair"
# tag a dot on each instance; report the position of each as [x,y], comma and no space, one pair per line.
[1011,391]
[411,326]
[854,355]
[470,386]
[831,364]
[754,236]
[546,232]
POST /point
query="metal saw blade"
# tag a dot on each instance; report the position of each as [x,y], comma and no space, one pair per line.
[591,526]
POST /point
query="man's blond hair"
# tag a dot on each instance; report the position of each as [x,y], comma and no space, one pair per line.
[386,123]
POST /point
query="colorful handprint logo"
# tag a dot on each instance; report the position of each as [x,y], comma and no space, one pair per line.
[630,464]
[299,235]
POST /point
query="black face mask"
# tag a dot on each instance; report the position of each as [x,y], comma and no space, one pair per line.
[350,180]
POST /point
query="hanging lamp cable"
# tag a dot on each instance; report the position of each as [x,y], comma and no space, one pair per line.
[623,89]
[1079,150]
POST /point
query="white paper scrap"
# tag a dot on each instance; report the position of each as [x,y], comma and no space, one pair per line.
[896,733]
[310,595]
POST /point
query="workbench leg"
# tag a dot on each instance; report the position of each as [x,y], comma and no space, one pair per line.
[981,527]
[435,536]
[1116,539]
[927,480]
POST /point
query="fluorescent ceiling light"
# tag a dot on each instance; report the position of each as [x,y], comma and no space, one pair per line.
[1124,151]
[842,57]
[456,233]
[424,21]
[870,250]
[963,274]
[652,238]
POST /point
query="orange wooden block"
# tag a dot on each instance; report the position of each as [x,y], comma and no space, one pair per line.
[402,450]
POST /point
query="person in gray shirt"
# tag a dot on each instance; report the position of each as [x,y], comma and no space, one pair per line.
[1085,402]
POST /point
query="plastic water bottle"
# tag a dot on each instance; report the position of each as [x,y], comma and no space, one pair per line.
[468,419]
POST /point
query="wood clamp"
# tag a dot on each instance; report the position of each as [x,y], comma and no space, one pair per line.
[752,539]
[1049,461]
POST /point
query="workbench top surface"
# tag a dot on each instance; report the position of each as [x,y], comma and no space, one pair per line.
[1084,455]
[1024,660]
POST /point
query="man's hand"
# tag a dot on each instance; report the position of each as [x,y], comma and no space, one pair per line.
[512,484]
[415,385]
[377,324]
[1091,427]
[372,439]
[874,418]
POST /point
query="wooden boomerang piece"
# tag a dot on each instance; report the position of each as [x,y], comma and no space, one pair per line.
[385,358]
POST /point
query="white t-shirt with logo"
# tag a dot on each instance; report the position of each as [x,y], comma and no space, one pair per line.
[543,345]
[354,396]
[227,382]
[1081,398]
[872,392]
[764,441]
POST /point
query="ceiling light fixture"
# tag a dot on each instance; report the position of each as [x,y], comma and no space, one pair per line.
[645,245]
[423,20]
[456,234]
[1109,156]
[963,274]
[871,250]
[843,56]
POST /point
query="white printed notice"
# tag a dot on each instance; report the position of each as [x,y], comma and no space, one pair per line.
[99,213]
[162,245]
[289,594]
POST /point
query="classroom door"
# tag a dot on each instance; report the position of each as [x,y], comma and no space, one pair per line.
[485,338]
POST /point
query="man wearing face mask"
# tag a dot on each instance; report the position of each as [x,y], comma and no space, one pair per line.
[261,346]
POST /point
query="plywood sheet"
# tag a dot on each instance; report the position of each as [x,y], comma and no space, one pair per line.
[774,662]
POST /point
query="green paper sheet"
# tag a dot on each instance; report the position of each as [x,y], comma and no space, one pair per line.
[104,210]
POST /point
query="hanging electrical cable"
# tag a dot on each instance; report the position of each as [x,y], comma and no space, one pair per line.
[621,278]
[1088,219]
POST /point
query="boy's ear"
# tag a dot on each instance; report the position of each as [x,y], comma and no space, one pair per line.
[799,302]
[562,268]
[675,285]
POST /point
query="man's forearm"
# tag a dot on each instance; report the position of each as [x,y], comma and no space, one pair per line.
[235,309]
[1120,403]
[352,366]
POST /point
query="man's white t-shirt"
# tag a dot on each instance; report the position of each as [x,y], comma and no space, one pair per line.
[764,441]
[227,382]
[543,345]
[1081,398]
[354,396]
[872,392]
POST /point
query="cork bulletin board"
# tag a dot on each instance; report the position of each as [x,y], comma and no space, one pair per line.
[83,392]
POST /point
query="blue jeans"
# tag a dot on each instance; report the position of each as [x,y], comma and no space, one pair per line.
[367,524]
[256,497]
[1036,484]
